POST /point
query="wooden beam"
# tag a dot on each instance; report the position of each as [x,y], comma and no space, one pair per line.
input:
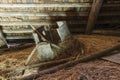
[113,1]
[44,5]
[54,5]
[52,1]
[113,58]
[107,32]
[3,37]
[25,23]
[111,5]
[69,63]
[39,23]
[93,15]
[16,31]
[117,21]
[47,14]
[117,13]
[19,37]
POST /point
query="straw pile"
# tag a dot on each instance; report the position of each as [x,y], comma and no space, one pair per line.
[92,44]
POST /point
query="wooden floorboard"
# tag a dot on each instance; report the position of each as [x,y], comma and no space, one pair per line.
[113,58]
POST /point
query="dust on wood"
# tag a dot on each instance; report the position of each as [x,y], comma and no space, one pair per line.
[93,43]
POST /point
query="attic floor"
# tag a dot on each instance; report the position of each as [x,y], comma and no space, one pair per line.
[93,70]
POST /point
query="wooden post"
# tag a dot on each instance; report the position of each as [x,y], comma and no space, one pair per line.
[2,37]
[93,15]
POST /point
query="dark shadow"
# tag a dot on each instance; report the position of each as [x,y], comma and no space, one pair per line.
[73,20]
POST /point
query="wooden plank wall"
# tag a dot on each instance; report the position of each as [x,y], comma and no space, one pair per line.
[43,12]
[15,13]
[111,18]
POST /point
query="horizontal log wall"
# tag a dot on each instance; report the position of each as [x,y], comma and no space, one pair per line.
[16,15]
[46,12]
[20,13]
[114,11]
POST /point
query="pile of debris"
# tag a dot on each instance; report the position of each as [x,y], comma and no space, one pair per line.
[54,46]
[91,46]
[55,49]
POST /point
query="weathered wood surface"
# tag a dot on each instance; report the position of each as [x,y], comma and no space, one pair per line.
[107,32]
[71,63]
[43,63]
[45,1]
[111,5]
[18,31]
[54,5]
[45,5]
[47,22]
[19,37]
[47,14]
[16,48]
[113,58]
[34,11]
[3,40]
[96,6]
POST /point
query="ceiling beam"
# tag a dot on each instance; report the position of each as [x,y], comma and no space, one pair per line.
[5,23]
[10,14]
[45,5]
[47,14]
[53,5]
[111,5]
[39,23]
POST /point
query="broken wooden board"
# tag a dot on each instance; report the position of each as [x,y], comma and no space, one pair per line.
[63,30]
[113,58]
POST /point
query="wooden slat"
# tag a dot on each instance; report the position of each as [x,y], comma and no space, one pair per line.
[109,14]
[37,23]
[51,1]
[3,37]
[113,1]
[62,14]
[113,58]
[25,23]
[93,15]
[10,14]
[111,5]
[19,37]
[107,32]
[45,5]
[5,23]
[108,22]
[53,5]
[16,31]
